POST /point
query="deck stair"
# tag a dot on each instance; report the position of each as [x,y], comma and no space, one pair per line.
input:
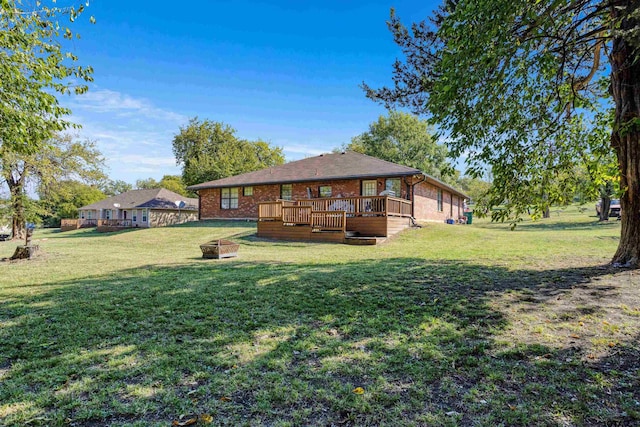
[363,240]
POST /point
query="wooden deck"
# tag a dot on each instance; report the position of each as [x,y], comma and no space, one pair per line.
[74,224]
[102,225]
[331,219]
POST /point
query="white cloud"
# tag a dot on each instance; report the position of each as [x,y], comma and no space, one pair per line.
[143,160]
[293,151]
[123,105]
[133,134]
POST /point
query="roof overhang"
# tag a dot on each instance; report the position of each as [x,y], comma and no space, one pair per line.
[300,180]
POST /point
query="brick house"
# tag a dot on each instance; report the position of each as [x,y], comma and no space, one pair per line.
[330,177]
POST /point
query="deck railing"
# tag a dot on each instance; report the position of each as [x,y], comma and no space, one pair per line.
[399,207]
[115,223]
[65,222]
[329,220]
[331,213]
[358,205]
[270,210]
[77,223]
[296,214]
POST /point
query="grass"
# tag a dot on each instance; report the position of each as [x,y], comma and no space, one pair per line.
[445,325]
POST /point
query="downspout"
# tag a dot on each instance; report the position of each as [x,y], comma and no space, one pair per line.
[413,191]
[199,206]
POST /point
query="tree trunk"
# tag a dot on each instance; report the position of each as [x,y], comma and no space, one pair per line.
[25,252]
[605,207]
[18,221]
[625,139]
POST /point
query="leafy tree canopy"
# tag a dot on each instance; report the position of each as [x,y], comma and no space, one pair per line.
[517,85]
[113,188]
[61,158]
[142,184]
[170,182]
[174,183]
[34,67]
[210,150]
[402,138]
[475,188]
[63,198]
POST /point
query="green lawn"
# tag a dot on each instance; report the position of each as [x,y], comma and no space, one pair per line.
[444,325]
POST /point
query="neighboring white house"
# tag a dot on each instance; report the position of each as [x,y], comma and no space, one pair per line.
[142,208]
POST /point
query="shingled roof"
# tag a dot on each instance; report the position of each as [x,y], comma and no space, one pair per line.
[156,198]
[325,167]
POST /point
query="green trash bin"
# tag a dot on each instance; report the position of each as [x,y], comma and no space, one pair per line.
[469,216]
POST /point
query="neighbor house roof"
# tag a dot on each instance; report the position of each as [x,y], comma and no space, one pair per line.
[325,167]
[156,198]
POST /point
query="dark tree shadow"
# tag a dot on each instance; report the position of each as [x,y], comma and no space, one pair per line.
[269,343]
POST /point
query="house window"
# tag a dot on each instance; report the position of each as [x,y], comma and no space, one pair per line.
[134,215]
[107,214]
[370,187]
[89,214]
[248,191]
[392,186]
[82,214]
[440,209]
[286,191]
[144,215]
[325,191]
[229,198]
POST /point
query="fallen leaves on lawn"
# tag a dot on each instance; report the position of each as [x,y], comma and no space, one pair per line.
[189,422]
[358,390]
[225,399]
[204,418]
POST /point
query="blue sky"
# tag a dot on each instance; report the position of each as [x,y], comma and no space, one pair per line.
[287,72]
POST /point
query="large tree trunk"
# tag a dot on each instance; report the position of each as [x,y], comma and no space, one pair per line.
[18,225]
[625,139]
[605,207]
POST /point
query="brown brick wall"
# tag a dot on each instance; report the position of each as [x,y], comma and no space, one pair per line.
[426,206]
[426,203]
[248,205]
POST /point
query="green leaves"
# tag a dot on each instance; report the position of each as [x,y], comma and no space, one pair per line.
[210,150]
[61,159]
[514,86]
[404,139]
[33,67]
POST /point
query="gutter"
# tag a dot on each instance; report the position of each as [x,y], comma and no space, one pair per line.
[203,186]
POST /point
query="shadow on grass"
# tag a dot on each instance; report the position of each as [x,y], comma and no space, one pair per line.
[286,344]
[544,225]
[216,223]
[92,232]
